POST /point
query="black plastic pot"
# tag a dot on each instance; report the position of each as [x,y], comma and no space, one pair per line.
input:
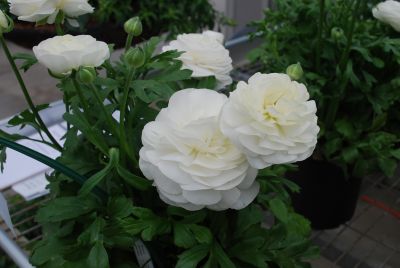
[327,198]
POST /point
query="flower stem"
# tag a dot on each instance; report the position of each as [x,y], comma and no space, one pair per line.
[128,42]
[59,29]
[78,88]
[333,106]
[321,25]
[123,107]
[107,116]
[49,162]
[28,98]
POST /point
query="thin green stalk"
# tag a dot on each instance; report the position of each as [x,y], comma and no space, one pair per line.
[123,107]
[49,162]
[320,27]
[109,119]
[28,98]
[344,59]
[80,94]
[128,42]
[66,101]
[59,29]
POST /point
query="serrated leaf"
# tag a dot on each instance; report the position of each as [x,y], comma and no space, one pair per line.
[192,257]
[133,180]
[119,207]
[279,209]
[28,60]
[183,237]
[94,180]
[221,257]
[64,208]
[98,257]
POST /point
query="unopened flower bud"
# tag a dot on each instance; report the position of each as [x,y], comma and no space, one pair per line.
[133,26]
[337,33]
[87,75]
[295,71]
[135,57]
[6,24]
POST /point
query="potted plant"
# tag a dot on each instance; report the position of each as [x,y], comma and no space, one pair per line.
[150,171]
[108,18]
[350,56]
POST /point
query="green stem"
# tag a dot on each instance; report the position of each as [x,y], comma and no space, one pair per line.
[128,42]
[123,107]
[80,94]
[108,117]
[344,59]
[66,101]
[321,25]
[59,29]
[49,162]
[28,98]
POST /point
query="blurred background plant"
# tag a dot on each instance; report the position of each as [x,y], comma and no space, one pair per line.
[351,67]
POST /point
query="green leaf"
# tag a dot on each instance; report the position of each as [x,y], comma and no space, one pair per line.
[350,154]
[26,117]
[247,217]
[202,234]
[28,60]
[387,165]
[192,257]
[151,90]
[279,209]
[345,128]
[65,208]
[98,257]
[93,181]
[92,234]
[133,180]
[119,207]
[209,82]
[183,237]
[221,257]
[395,153]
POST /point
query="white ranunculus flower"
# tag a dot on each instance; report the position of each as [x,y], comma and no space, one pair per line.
[271,119]
[388,12]
[205,55]
[38,10]
[62,54]
[193,165]
[3,21]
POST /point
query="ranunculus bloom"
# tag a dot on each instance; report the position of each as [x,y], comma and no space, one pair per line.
[38,10]
[271,119]
[191,163]
[62,54]
[388,12]
[3,21]
[204,55]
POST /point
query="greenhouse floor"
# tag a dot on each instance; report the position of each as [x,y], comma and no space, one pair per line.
[370,239]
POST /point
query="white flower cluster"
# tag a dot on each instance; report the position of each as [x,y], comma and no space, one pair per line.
[388,12]
[205,55]
[47,10]
[204,149]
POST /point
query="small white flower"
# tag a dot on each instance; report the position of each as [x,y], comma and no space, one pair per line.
[62,54]
[3,21]
[205,55]
[388,12]
[191,163]
[38,10]
[271,119]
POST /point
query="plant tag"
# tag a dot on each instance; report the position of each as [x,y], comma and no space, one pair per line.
[142,255]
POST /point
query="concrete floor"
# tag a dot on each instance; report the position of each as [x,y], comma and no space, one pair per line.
[41,86]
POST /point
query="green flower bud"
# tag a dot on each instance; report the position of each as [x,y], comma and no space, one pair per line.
[135,57]
[133,26]
[337,33]
[294,71]
[6,23]
[87,75]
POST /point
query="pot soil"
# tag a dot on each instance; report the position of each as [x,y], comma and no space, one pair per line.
[327,198]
